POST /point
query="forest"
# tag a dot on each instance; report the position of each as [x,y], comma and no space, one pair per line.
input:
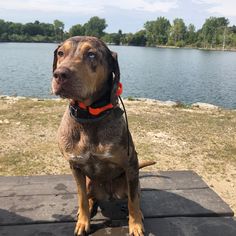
[215,33]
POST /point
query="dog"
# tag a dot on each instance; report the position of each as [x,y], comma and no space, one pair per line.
[93,135]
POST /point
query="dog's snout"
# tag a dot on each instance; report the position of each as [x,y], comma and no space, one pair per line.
[62,74]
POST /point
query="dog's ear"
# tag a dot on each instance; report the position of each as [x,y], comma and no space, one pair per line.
[116,77]
[54,66]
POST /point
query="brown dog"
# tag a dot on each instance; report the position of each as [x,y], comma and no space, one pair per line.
[93,135]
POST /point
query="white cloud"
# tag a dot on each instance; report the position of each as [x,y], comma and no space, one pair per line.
[222,7]
[88,6]
[142,5]
[64,6]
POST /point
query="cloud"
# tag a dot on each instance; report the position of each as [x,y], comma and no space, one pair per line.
[142,5]
[63,6]
[87,7]
[222,7]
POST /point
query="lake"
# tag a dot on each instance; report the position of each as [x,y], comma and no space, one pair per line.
[186,75]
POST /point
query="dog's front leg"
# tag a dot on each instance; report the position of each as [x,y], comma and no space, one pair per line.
[83,221]
[136,227]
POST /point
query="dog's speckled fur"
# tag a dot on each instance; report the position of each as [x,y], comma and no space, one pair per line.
[97,152]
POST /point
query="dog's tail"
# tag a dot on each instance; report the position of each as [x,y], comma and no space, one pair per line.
[143,164]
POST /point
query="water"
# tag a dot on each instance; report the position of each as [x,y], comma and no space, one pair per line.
[185,75]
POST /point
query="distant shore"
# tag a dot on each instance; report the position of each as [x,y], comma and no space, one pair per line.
[205,49]
[157,46]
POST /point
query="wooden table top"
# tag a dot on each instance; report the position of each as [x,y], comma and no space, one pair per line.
[177,203]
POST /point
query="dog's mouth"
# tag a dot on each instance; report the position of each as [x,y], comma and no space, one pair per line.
[57,89]
[62,82]
[66,90]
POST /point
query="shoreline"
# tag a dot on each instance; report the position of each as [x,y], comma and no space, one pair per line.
[197,48]
[167,103]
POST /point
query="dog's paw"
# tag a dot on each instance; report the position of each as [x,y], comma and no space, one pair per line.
[136,229]
[82,227]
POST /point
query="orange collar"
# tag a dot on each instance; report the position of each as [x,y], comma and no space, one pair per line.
[98,110]
[95,111]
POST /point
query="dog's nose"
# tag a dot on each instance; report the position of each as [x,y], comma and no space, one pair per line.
[62,74]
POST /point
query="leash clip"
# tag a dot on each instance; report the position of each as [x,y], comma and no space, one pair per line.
[73,111]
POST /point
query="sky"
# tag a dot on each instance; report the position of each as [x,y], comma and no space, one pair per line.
[125,15]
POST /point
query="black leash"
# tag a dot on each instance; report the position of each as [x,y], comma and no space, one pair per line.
[127,125]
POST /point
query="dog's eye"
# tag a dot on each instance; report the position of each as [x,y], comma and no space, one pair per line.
[60,53]
[91,55]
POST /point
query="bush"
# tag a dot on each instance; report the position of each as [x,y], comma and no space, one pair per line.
[180,43]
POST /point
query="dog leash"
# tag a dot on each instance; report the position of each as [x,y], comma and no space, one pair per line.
[127,124]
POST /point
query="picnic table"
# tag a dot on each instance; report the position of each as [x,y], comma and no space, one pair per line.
[174,203]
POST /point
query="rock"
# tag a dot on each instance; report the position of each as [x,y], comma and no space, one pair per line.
[205,106]
[17,98]
[170,103]
[37,99]
[155,101]
[166,103]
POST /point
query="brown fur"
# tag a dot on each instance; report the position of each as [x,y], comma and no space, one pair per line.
[97,152]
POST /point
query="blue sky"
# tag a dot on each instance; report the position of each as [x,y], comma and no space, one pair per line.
[127,15]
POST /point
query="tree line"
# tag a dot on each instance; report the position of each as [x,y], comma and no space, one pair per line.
[31,32]
[215,33]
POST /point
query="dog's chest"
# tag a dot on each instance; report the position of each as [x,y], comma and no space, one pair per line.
[97,166]
[93,149]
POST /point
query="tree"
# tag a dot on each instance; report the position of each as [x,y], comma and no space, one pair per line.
[95,27]
[232,36]
[32,29]
[2,26]
[47,29]
[162,27]
[112,38]
[178,32]
[150,33]
[139,39]
[191,35]
[76,30]
[127,38]
[233,29]
[59,29]
[212,29]
[215,32]
[15,28]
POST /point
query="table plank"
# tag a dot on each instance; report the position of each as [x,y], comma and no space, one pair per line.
[158,203]
[63,184]
[154,227]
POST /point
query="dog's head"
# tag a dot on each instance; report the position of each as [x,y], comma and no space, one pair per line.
[84,69]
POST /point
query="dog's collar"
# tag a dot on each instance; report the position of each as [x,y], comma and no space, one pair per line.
[95,112]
